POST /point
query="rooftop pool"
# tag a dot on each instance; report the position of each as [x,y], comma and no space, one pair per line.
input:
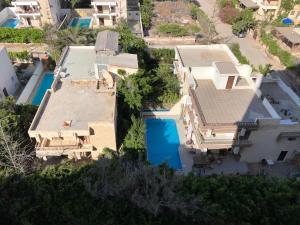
[45,84]
[10,23]
[163,142]
[81,22]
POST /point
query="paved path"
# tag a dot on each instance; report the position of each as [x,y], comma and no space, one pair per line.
[249,47]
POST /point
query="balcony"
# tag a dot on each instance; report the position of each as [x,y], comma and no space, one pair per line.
[61,147]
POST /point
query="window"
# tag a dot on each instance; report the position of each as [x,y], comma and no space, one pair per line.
[282,155]
[92,132]
[291,138]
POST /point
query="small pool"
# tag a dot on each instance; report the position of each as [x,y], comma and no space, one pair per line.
[287,21]
[81,22]
[11,23]
[44,85]
[163,142]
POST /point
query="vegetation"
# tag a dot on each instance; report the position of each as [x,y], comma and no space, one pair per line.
[288,5]
[22,56]
[173,29]
[134,141]
[264,70]
[235,48]
[146,13]
[284,56]
[229,14]
[224,3]
[15,144]
[117,191]
[163,55]
[24,35]
[244,22]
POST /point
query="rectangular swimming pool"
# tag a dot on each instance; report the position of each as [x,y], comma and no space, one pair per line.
[10,23]
[43,87]
[81,22]
[163,142]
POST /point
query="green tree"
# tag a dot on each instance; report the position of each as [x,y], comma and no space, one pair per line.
[146,13]
[135,138]
[244,22]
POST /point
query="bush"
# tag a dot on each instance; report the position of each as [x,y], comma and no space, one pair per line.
[235,48]
[24,35]
[244,22]
[173,29]
[121,72]
[146,13]
[24,55]
[285,57]
[163,55]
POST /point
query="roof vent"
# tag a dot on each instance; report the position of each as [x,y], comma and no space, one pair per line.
[67,123]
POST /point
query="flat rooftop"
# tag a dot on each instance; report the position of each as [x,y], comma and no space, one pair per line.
[285,107]
[79,104]
[79,62]
[228,106]
[203,55]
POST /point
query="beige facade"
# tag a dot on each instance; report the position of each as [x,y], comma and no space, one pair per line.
[108,13]
[267,9]
[77,116]
[231,109]
[37,13]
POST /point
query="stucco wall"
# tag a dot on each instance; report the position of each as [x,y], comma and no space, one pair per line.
[8,78]
[267,145]
[104,135]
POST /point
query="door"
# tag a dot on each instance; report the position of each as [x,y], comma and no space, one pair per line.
[100,9]
[230,82]
[29,21]
[5,92]
[282,155]
[101,21]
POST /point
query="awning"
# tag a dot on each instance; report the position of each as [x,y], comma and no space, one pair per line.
[249,4]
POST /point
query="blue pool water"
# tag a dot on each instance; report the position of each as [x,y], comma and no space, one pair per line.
[163,142]
[44,85]
[11,23]
[287,21]
[81,22]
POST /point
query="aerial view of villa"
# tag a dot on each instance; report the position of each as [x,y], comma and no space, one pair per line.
[148,112]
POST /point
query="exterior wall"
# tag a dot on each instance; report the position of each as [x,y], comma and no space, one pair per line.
[104,136]
[8,78]
[267,145]
[50,11]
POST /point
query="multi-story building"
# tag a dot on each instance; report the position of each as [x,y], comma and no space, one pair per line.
[265,9]
[9,82]
[77,116]
[37,13]
[108,12]
[229,108]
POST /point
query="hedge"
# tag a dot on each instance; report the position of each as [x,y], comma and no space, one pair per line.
[23,35]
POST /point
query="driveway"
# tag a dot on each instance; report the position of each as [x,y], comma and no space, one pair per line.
[249,47]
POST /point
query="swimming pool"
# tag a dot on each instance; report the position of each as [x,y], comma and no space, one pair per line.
[163,142]
[11,23]
[81,22]
[44,85]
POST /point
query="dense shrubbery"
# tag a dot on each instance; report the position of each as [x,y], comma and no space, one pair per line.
[121,192]
[24,35]
[163,55]
[235,48]
[244,22]
[285,57]
[24,55]
[146,13]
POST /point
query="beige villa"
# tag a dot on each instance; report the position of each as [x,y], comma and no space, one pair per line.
[229,108]
[77,116]
[37,13]
[264,9]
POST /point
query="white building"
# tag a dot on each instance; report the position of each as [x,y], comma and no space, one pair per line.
[37,13]
[8,79]
[229,108]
